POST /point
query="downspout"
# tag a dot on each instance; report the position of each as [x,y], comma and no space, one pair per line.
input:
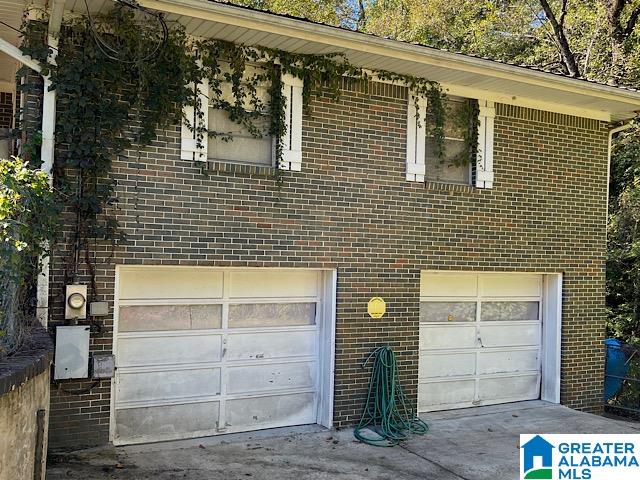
[48,147]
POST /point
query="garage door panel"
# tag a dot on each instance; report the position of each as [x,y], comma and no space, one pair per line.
[490,362]
[271,411]
[459,336]
[448,285]
[271,314]
[479,345]
[167,350]
[521,387]
[210,351]
[168,384]
[432,395]
[510,285]
[500,335]
[165,283]
[446,365]
[273,283]
[279,344]
[271,376]
[138,318]
[167,421]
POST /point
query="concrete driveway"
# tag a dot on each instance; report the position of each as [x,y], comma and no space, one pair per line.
[470,444]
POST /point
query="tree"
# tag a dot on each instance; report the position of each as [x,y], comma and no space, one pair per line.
[622,17]
[28,213]
[330,12]
[623,262]
[568,57]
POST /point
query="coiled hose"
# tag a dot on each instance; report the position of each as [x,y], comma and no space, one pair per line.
[388,414]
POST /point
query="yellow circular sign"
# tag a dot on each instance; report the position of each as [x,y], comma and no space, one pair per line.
[376,307]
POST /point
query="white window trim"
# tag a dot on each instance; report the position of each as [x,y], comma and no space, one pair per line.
[484,157]
[198,120]
[190,147]
[416,138]
[291,141]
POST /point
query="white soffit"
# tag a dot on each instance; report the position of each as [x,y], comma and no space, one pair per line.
[459,74]
[11,13]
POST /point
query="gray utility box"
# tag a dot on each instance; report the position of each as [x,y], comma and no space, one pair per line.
[72,352]
[103,365]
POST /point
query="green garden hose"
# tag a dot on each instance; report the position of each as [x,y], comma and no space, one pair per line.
[388,414]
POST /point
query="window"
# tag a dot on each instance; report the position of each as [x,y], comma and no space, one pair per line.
[452,167]
[236,143]
[423,163]
[241,145]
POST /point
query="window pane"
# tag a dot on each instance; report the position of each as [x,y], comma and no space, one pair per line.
[242,147]
[510,311]
[447,311]
[271,314]
[441,169]
[169,317]
[453,111]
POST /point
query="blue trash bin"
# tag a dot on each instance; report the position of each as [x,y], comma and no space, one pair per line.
[616,365]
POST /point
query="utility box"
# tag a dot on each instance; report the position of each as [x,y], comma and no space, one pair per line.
[99,309]
[103,365]
[72,352]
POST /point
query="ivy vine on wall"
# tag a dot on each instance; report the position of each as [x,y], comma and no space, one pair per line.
[120,79]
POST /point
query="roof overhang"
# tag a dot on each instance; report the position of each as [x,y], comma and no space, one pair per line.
[459,74]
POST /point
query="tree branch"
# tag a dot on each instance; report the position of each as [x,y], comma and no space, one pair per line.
[563,13]
[614,12]
[568,57]
[362,15]
[631,24]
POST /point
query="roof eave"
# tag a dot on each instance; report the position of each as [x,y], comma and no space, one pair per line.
[342,38]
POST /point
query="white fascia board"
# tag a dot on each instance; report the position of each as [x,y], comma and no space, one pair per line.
[341,38]
[14,52]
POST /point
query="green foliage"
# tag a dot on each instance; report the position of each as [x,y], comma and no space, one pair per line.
[28,217]
[330,12]
[623,262]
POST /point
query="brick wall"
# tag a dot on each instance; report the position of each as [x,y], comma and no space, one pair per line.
[352,209]
[6,110]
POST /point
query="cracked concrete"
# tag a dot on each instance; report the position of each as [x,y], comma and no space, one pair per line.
[470,444]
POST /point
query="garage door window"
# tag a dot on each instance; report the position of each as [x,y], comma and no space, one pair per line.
[497,311]
[272,314]
[169,317]
[448,311]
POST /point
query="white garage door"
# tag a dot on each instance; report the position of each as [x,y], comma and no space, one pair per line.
[480,339]
[202,351]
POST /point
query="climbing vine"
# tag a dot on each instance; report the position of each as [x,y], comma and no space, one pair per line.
[124,76]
